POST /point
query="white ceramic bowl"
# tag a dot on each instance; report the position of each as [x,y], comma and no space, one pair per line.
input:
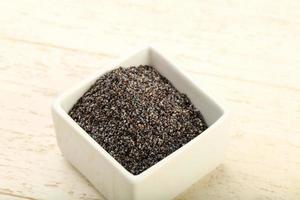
[167,178]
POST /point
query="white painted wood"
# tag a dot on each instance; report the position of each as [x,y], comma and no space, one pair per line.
[244,52]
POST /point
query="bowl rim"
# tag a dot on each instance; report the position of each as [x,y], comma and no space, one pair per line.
[59,110]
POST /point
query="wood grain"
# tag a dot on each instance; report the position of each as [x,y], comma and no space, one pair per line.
[246,53]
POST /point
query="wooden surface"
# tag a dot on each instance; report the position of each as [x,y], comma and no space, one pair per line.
[246,53]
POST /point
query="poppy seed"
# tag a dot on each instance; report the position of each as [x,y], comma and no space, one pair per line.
[137,116]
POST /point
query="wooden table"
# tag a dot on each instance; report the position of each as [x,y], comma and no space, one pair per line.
[246,53]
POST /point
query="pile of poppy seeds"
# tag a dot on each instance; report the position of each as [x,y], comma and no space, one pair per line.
[137,116]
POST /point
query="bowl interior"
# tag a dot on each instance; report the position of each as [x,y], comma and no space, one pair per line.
[210,110]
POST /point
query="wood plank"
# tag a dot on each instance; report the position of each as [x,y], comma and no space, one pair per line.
[245,54]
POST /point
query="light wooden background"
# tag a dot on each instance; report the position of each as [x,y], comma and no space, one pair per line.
[244,52]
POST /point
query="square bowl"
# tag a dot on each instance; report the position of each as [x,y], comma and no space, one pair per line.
[167,178]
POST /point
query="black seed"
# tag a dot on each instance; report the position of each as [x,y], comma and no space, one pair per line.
[137,116]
